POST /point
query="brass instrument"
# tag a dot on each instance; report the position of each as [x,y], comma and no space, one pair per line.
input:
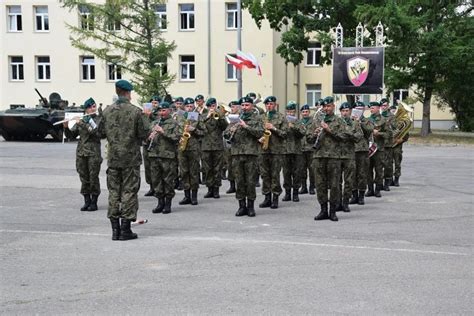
[214,115]
[403,123]
[183,141]
[151,137]
[266,135]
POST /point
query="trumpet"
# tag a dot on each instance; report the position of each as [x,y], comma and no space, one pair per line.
[183,141]
[214,115]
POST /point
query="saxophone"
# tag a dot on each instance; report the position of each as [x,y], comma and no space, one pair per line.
[183,142]
[266,135]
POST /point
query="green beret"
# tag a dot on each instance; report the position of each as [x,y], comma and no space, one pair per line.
[251,95]
[188,101]
[291,105]
[245,100]
[165,105]
[211,101]
[304,107]
[199,97]
[124,85]
[269,99]
[383,100]
[320,102]
[179,99]
[373,103]
[359,104]
[328,100]
[88,103]
[345,105]
[155,98]
[235,102]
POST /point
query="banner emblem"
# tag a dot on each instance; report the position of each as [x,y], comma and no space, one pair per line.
[357,70]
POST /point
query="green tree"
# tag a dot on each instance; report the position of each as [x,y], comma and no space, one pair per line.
[127,33]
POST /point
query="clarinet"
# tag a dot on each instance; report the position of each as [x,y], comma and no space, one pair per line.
[317,142]
[152,137]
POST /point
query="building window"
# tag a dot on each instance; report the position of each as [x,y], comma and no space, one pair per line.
[88,68]
[86,18]
[16,68]
[186,13]
[232,16]
[400,95]
[43,68]
[164,68]
[114,71]
[187,67]
[313,55]
[160,11]
[313,93]
[231,73]
[41,18]
[14,18]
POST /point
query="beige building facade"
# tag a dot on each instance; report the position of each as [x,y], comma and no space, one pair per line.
[36,53]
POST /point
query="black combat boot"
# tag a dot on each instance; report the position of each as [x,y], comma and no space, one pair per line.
[250,208]
[125,230]
[332,213]
[167,208]
[378,187]
[361,197]
[231,187]
[370,190]
[296,198]
[274,201]
[150,192]
[187,198]
[312,189]
[345,205]
[395,181]
[115,228]
[194,197]
[180,186]
[323,214]
[304,189]
[386,185]
[210,193]
[215,193]
[287,196]
[392,182]
[161,205]
[93,206]
[267,202]
[242,208]
[355,197]
[87,202]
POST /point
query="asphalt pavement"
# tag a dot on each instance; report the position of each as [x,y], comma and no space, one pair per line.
[408,253]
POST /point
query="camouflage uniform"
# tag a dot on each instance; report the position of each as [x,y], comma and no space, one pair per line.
[146,159]
[397,159]
[362,159]
[125,127]
[376,161]
[293,160]
[307,157]
[388,157]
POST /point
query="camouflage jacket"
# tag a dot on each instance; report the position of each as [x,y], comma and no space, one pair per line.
[165,145]
[329,143]
[305,146]
[89,138]
[125,127]
[367,127]
[354,134]
[277,139]
[379,124]
[296,132]
[212,139]
[244,141]
[194,142]
[391,127]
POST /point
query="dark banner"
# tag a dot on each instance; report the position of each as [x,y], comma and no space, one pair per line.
[358,70]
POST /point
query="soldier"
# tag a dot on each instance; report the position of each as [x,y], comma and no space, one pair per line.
[244,150]
[326,132]
[163,139]
[152,115]
[199,99]
[125,127]
[234,109]
[293,158]
[376,161]
[354,133]
[307,149]
[188,156]
[179,102]
[361,155]
[398,154]
[271,157]
[88,157]
[212,148]
[388,157]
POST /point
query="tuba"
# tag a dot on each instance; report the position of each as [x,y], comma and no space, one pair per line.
[183,141]
[266,136]
[403,123]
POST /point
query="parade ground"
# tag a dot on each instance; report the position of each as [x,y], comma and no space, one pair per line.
[407,253]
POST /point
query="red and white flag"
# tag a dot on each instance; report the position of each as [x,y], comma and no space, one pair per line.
[237,63]
[248,60]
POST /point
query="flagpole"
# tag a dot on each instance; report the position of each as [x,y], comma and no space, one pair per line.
[239,47]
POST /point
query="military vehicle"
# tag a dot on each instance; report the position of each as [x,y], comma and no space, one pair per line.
[36,123]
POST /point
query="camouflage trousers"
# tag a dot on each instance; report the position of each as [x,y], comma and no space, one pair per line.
[388,163]
[245,171]
[307,168]
[88,168]
[327,173]
[212,166]
[163,174]
[146,165]
[292,164]
[397,160]
[270,168]
[375,165]
[123,185]
[347,177]
[189,169]
[230,169]
[361,170]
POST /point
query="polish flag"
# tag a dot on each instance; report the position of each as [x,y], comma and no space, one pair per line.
[249,61]
[237,63]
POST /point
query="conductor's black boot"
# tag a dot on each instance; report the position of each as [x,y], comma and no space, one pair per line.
[312,189]
[370,190]
[267,202]
[125,230]
[296,198]
[274,201]
[161,205]
[355,197]
[187,198]
[377,193]
[242,208]
[304,189]
[194,197]
[231,187]
[87,202]
[93,206]
[287,196]
[250,208]
[323,214]
[210,193]
[115,228]
[332,213]
[386,185]
[395,181]
[361,197]
[167,208]
[215,193]
[150,192]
